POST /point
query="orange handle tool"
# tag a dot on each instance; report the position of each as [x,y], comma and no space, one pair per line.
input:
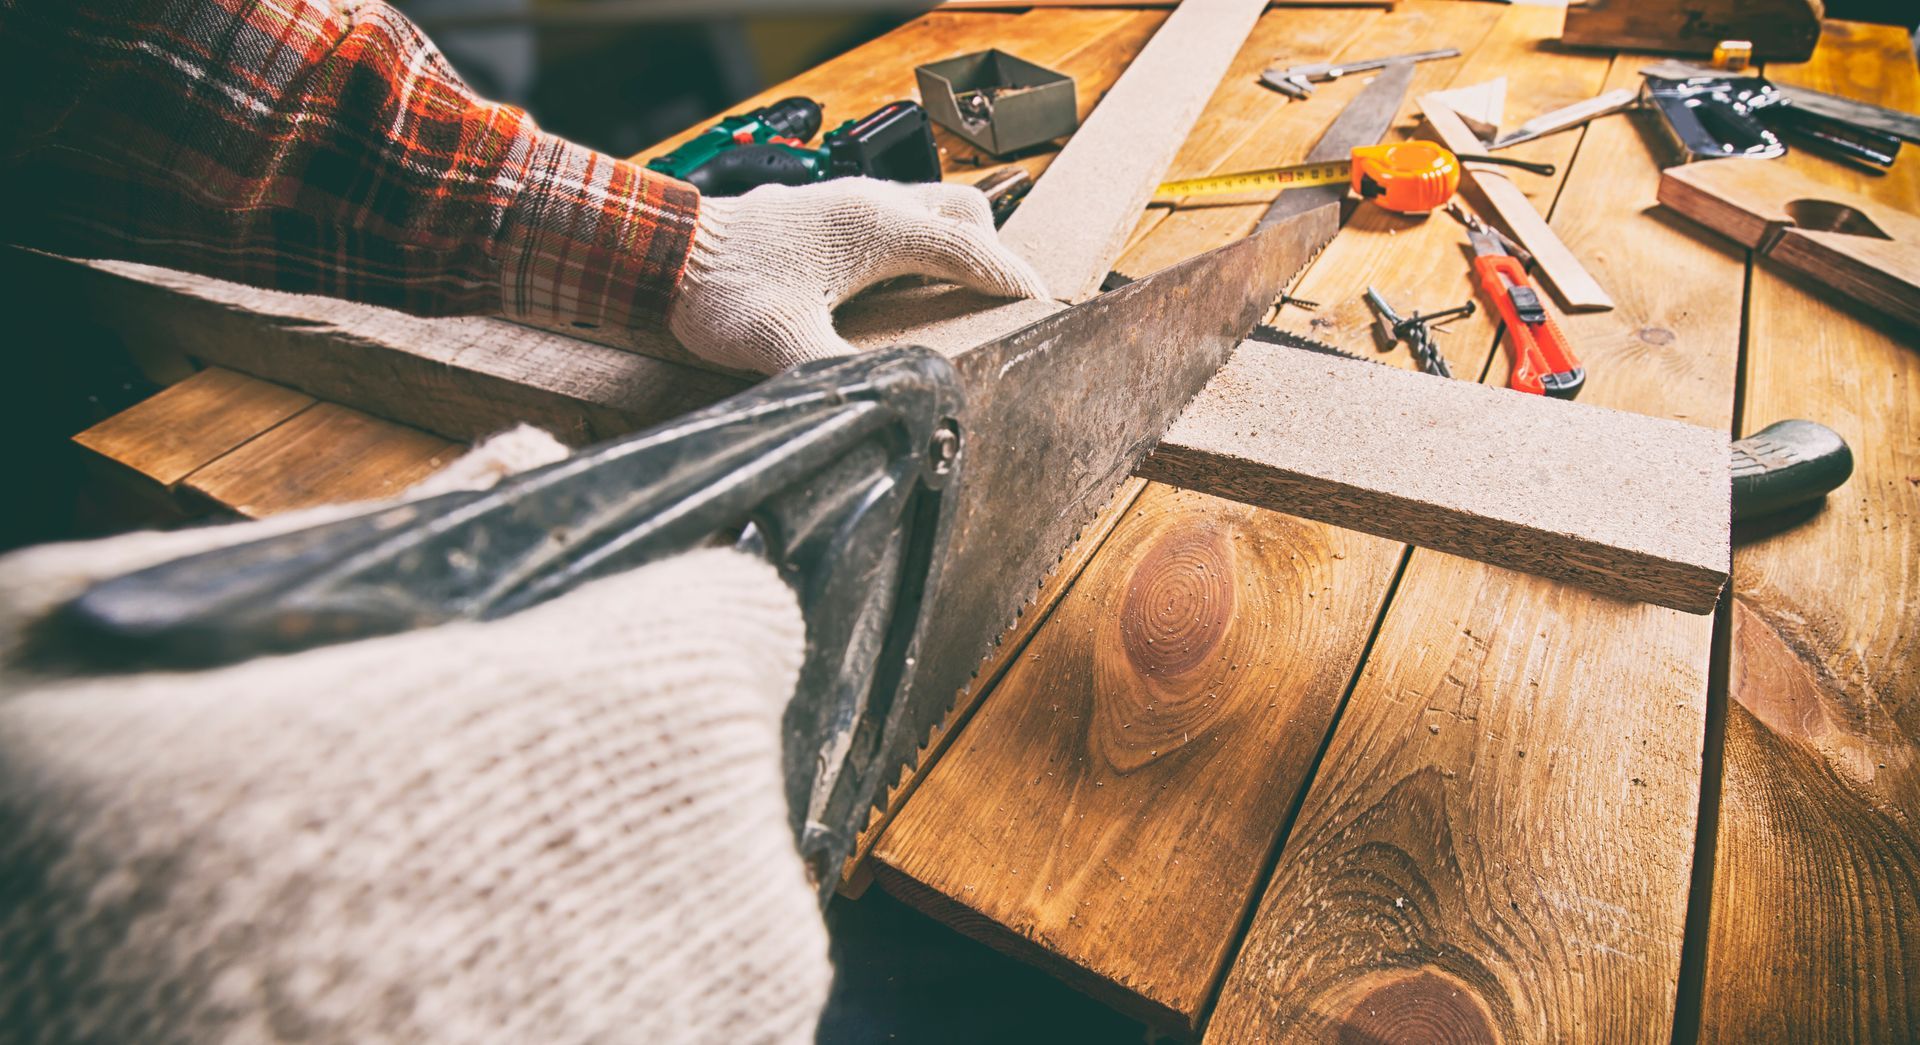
[1412,177]
[1543,363]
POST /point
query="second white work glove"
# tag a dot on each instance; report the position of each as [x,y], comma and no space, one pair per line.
[768,268]
[566,825]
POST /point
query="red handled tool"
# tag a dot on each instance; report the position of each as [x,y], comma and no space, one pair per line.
[1543,362]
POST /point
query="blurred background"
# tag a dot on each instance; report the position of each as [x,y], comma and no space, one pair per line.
[619,75]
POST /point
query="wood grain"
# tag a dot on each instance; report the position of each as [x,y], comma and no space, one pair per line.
[1076,221]
[326,454]
[184,426]
[1845,240]
[1109,808]
[1499,840]
[1814,927]
[1630,506]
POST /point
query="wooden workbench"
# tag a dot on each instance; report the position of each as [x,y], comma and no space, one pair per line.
[1258,778]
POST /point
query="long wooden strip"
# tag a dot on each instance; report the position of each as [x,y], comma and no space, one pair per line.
[1075,222]
[1500,837]
[1627,505]
[1136,765]
[1576,287]
[1813,930]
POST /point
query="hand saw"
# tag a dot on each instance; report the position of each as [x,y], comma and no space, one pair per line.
[914,504]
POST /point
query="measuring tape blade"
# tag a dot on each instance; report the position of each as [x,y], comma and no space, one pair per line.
[1271,179]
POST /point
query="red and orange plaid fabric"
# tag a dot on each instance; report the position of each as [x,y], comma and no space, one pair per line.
[318,146]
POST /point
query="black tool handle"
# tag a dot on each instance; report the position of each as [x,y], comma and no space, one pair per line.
[751,166]
[1785,464]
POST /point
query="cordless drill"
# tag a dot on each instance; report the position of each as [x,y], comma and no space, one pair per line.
[768,146]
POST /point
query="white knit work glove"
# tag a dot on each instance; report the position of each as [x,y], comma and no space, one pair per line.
[563,826]
[768,268]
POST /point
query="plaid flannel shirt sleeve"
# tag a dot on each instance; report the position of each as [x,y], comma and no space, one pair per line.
[316,146]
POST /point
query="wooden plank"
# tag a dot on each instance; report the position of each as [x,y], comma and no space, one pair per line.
[326,454]
[1844,240]
[187,425]
[1813,931]
[1630,506]
[1076,221]
[462,378]
[1289,602]
[1498,843]
[1564,273]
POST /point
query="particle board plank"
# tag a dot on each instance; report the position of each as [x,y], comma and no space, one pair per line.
[168,435]
[1813,928]
[1648,519]
[326,454]
[1156,944]
[1499,841]
[1076,220]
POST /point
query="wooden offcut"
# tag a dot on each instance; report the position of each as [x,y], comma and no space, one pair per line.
[1632,506]
[1076,221]
[1569,279]
[1865,249]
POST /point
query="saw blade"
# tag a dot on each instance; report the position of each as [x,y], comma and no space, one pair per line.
[1058,414]
[1272,335]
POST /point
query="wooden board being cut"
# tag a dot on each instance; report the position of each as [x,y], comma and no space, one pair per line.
[1631,506]
[1076,221]
[1849,241]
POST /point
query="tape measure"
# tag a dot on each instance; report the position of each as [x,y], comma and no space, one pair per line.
[1409,177]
